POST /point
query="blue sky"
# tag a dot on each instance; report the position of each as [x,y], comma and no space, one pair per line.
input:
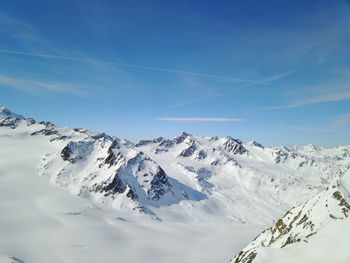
[277,72]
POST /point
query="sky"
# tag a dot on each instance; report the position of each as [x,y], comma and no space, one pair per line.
[277,72]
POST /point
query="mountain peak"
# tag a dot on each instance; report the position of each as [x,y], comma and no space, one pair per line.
[8,118]
[7,113]
[256,144]
[180,138]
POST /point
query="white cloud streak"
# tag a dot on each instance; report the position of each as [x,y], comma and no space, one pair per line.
[341,120]
[252,83]
[32,86]
[201,119]
[274,78]
[93,61]
[315,100]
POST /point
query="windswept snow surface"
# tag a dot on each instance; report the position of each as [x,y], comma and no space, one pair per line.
[72,195]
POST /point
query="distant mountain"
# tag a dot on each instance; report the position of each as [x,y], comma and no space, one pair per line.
[221,178]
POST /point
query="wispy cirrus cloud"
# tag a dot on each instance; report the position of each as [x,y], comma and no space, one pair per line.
[331,97]
[210,93]
[341,120]
[22,32]
[201,119]
[273,78]
[94,61]
[34,86]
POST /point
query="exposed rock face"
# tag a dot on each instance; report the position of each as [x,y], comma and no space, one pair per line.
[233,146]
[164,146]
[159,185]
[143,143]
[49,129]
[157,140]
[111,159]
[167,143]
[201,155]
[9,119]
[98,165]
[30,121]
[146,142]
[149,175]
[60,138]
[11,122]
[76,150]
[280,156]
[4,113]
[301,223]
[137,177]
[101,135]
[181,138]
[189,151]
[110,187]
[160,150]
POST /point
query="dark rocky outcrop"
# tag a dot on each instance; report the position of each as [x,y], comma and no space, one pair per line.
[49,129]
[167,143]
[111,159]
[109,187]
[30,121]
[11,122]
[181,138]
[146,142]
[201,155]
[143,143]
[233,146]
[280,156]
[159,185]
[189,151]
[74,151]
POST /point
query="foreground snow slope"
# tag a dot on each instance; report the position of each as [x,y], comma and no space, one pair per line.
[317,231]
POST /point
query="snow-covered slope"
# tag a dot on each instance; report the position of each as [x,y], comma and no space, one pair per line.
[192,178]
[203,180]
[316,231]
[41,222]
[245,182]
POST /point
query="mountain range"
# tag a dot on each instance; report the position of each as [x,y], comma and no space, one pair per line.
[298,194]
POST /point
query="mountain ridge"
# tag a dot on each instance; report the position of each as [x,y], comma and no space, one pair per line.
[191,178]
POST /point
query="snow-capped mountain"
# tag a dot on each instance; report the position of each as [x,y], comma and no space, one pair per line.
[215,177]
[200,179]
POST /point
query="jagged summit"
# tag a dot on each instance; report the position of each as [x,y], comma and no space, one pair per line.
[4,110]
[5,113]
[180,138]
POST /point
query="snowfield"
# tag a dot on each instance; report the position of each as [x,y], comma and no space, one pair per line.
[72,195]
